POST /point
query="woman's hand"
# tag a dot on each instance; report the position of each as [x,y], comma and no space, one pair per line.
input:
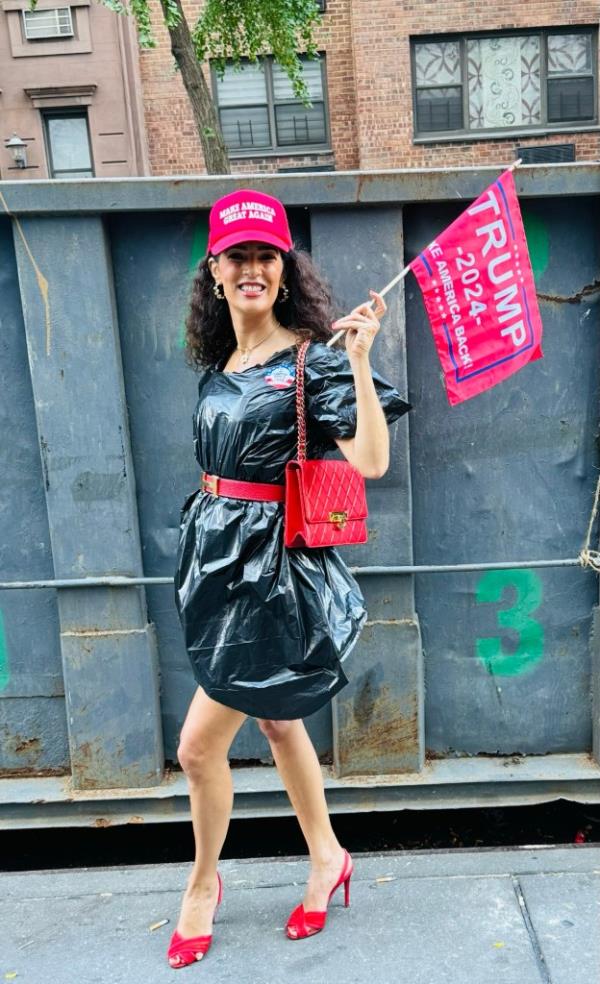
[361,326]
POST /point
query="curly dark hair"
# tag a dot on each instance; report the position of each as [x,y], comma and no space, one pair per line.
[309,310]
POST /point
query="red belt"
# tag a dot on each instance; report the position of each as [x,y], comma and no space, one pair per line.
[241,490]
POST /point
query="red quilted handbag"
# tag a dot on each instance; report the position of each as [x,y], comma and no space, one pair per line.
[325,499]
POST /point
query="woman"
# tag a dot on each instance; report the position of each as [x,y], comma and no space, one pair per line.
[266,627]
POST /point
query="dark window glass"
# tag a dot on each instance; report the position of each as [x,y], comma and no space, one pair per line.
[439,109]
[297,124]
[259,109]
[246,127]
[570,99]
[499,81]
[68,145]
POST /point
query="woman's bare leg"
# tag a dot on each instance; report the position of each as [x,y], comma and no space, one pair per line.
[299,768]
[206,736]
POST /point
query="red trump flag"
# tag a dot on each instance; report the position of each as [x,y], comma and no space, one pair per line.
[479,293]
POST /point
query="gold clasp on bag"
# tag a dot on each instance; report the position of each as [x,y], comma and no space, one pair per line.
[338,519]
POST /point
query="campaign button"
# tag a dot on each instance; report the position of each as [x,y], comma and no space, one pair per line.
[281,377]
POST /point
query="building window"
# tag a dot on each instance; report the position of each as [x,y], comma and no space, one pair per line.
[259,112]
[68,145]
[38,25]
[519,81]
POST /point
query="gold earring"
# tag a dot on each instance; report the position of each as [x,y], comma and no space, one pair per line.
[284,292]
[219,295]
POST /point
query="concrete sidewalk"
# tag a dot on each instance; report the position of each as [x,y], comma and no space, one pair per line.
[523,916]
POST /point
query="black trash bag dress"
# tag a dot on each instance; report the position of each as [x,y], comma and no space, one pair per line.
[267,627]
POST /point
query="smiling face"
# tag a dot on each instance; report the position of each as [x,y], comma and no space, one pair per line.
[251,275]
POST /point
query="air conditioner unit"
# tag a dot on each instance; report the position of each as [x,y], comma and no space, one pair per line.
[42,24]
[546,154]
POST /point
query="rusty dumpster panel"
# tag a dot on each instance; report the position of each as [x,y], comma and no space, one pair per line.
[33,728]
[511,475]
[450,666]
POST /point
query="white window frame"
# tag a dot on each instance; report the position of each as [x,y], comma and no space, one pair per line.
[506,133]
[29,18]
[80,113]
[274,149]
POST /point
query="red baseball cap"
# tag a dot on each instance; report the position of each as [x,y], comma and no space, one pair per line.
[248,215]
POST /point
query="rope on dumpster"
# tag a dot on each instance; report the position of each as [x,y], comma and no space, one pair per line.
[587,557]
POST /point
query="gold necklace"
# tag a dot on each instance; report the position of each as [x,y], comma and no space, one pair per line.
[246,352]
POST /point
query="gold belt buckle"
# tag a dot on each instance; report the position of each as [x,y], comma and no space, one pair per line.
[209,482]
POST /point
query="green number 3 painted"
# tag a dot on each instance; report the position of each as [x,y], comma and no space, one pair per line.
[530,649]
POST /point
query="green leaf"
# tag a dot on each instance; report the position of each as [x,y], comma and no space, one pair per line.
[139,10]
[171,12]
[232,30]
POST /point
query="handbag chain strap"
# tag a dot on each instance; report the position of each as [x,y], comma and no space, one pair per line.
[300,406]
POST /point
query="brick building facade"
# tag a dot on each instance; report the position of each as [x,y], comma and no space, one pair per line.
[377,57]
[422,83]
[385,124]
[174,146]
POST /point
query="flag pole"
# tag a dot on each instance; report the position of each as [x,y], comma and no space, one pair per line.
[400,276]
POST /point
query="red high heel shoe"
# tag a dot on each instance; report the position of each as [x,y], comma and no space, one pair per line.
[302,924]
[187,948]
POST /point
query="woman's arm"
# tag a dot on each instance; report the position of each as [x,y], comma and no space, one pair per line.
[369,449]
